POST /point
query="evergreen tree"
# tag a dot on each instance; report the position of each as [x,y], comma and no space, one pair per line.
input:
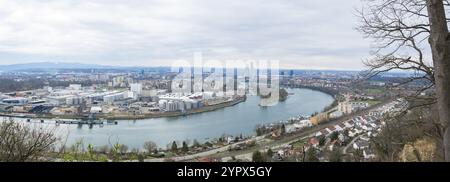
[174,147]
[185,147]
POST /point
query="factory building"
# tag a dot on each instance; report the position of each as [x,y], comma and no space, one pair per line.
[75,100]
[162,104]
[121,96]
[2,96]
[172,106]
[114,97]
[17,101]
[58,100]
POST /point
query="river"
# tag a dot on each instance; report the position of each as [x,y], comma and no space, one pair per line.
[234,120]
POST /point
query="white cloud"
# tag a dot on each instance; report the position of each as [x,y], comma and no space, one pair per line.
[314,34]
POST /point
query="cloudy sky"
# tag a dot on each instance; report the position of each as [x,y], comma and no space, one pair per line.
[299,33]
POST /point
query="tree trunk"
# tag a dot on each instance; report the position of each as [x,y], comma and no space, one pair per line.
[440,47]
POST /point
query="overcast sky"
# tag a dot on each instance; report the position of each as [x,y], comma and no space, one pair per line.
[305,34]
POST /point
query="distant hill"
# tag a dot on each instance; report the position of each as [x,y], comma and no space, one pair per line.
[51,65]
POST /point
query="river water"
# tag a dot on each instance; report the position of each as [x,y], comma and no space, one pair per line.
[234,120]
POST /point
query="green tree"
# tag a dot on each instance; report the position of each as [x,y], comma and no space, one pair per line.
[91,152]
[334,136]
[283,95]
[185,147]
[283,129]
[258,157]
[174,147]
[322,141]
[269,153]
[312,155]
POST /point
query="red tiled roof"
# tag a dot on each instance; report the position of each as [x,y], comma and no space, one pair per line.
[313,141]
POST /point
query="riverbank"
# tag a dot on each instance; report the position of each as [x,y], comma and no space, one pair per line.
[319,89]
[179,113]
[132,117]
[331,92]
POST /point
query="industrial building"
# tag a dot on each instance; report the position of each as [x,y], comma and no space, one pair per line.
[179,102]
[16,101]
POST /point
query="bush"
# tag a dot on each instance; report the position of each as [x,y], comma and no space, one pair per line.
[21,142]
[258,157]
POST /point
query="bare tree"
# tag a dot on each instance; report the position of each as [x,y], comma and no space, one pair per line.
[21,143]
[400,30]
[102,149]
[123,149]
[150,146]
[440,48]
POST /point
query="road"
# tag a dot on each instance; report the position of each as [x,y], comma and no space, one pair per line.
[204,154]
[344,151]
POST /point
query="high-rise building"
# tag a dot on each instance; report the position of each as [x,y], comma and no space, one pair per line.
[136,88]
